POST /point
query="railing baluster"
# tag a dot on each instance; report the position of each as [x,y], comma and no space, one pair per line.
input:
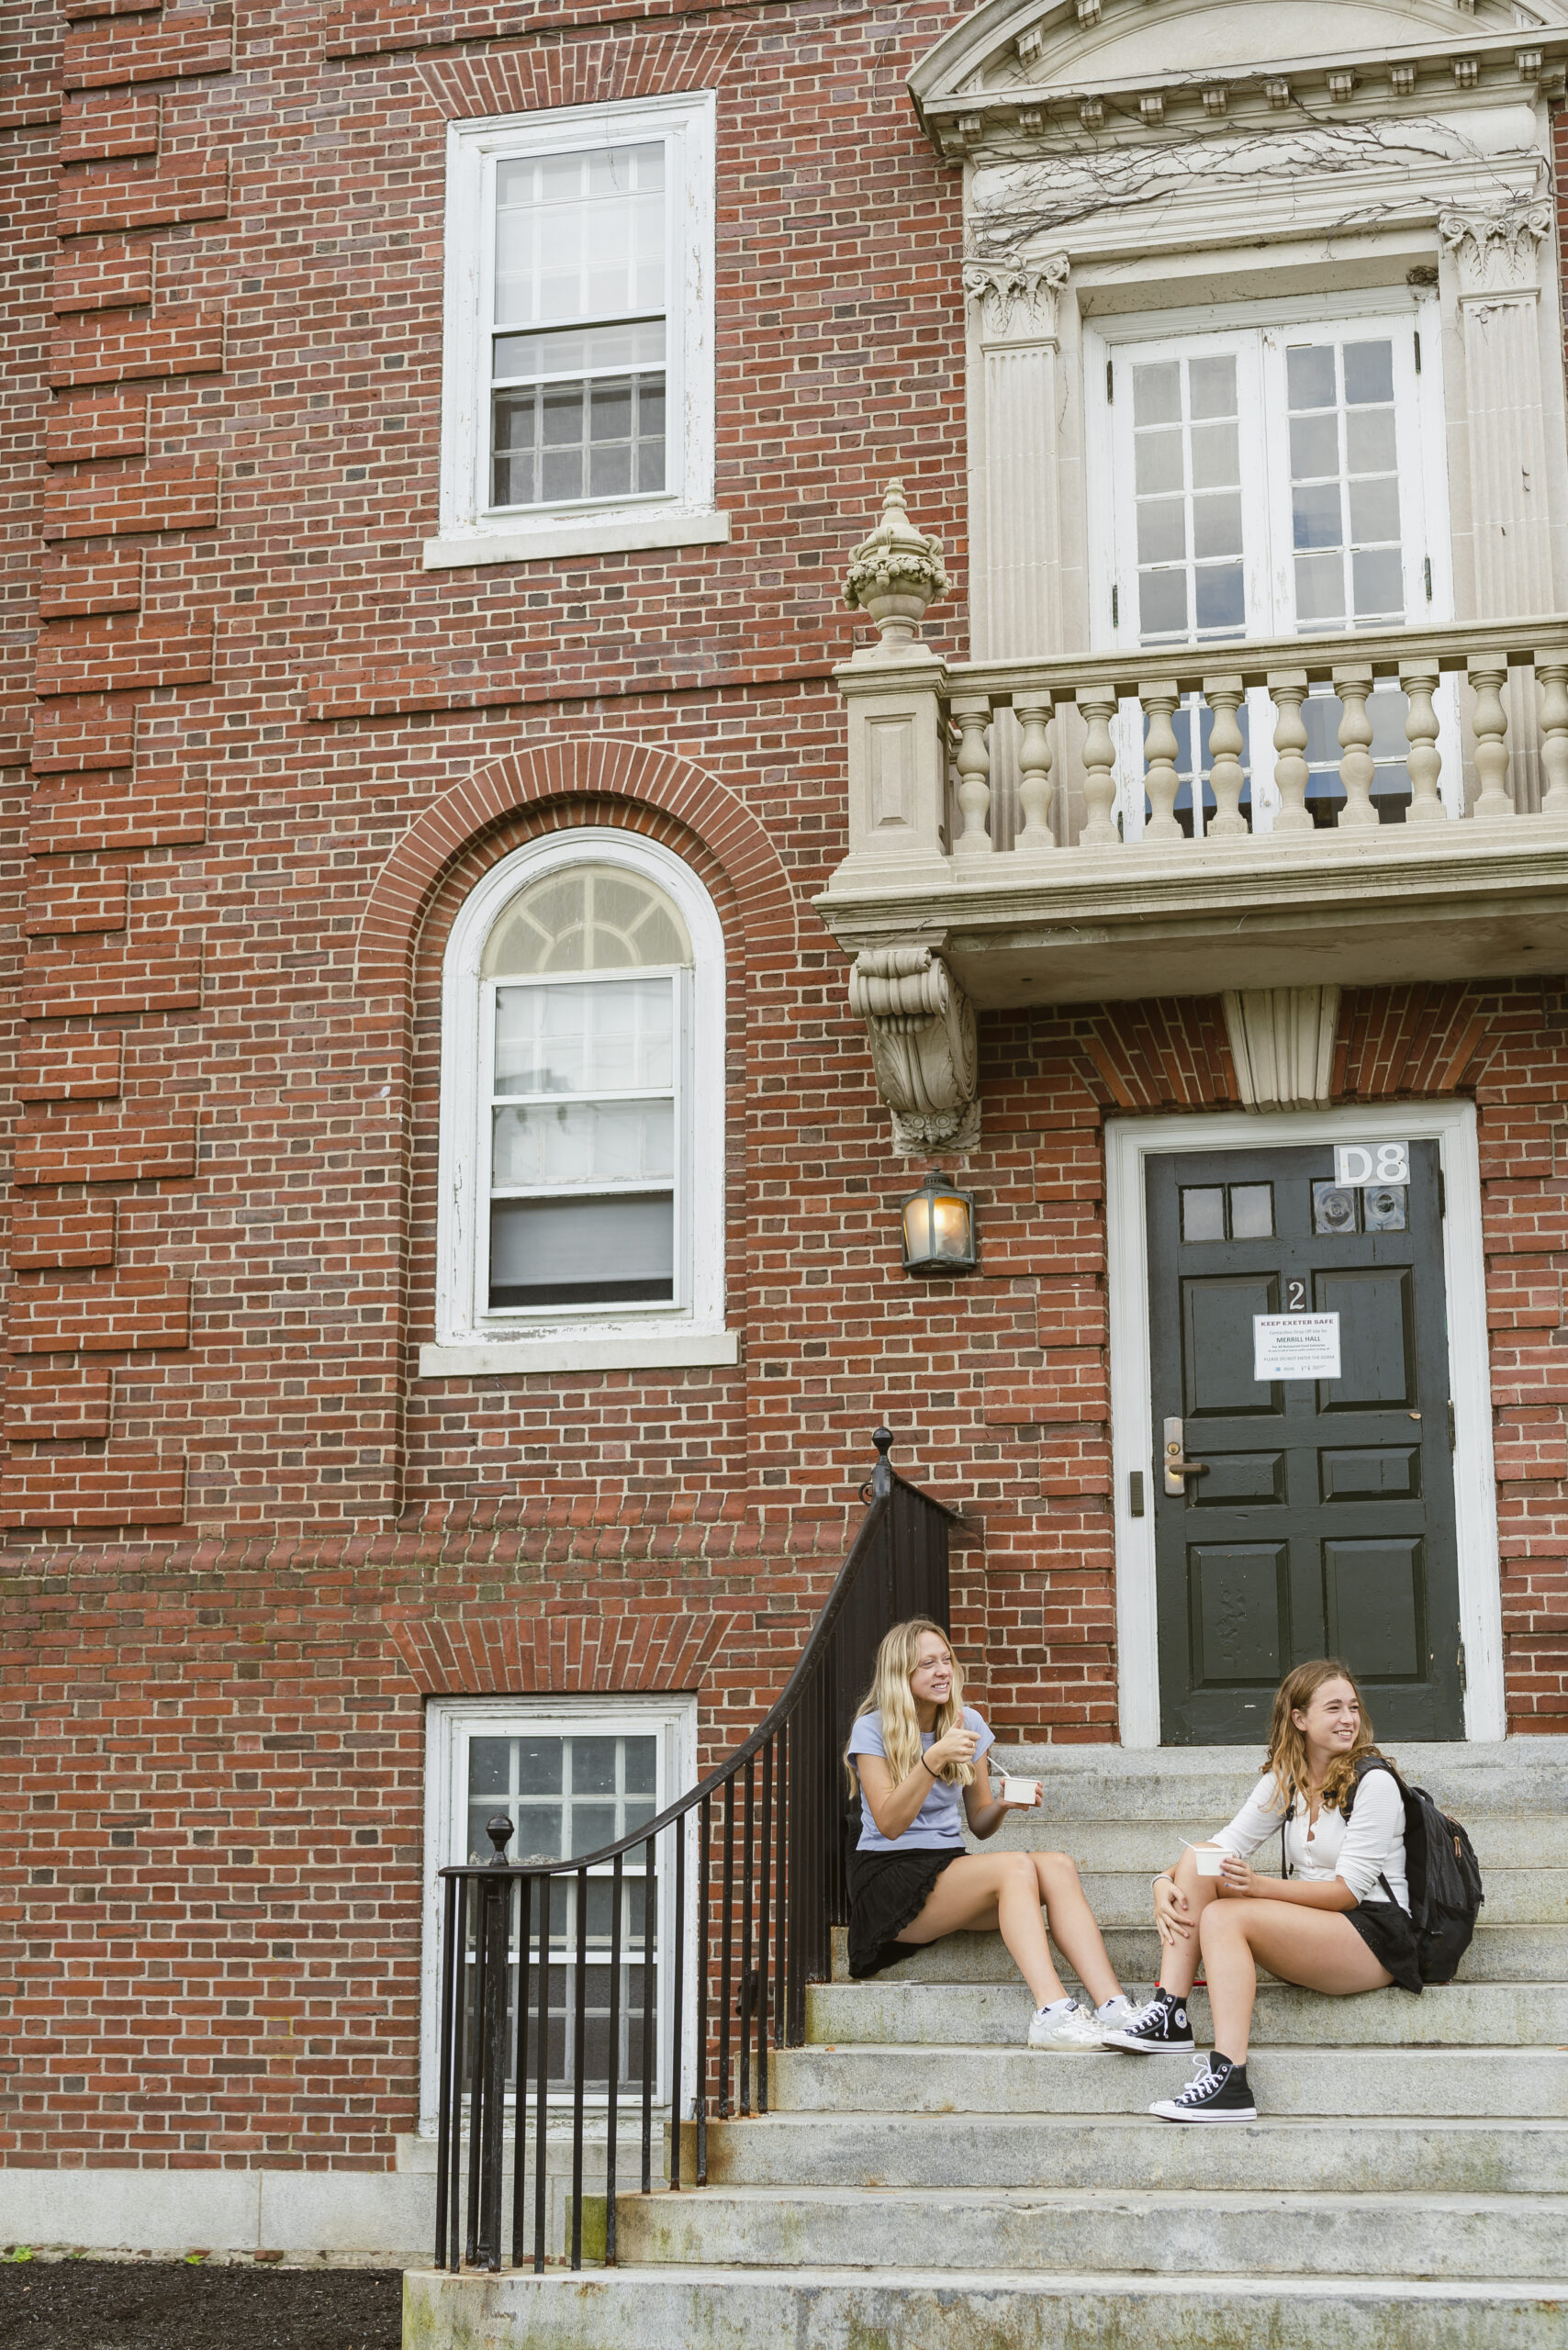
[520,2097]
[1424,761]
[1553,678]
[650,2037]
[580,2039]
[541,2078]
[497,1919]
[678,2002]
[476,2082]
[617,1895]
[748,1994]
[1493,801]
[1099,769]
[1036,791]
[448,2143]
[786,1893]
[1161,782]
[1292,774]
[1356,769]
[1224,696]
[704,1932]
[726,1980]
[972,716]
[765,1943]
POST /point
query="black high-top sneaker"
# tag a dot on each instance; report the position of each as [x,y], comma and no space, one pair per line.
[1216,2092]
[1159,2029]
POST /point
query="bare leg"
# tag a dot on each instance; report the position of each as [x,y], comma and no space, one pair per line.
[1179,1957]
[1072,1925]
[984,1891]
[1317,1948]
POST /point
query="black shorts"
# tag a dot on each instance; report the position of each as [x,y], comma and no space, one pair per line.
[1389,1935]
[887,1892]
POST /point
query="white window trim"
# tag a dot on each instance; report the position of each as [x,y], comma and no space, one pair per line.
[473,1342]
[685,515]
[446,1721]
[1128,1143]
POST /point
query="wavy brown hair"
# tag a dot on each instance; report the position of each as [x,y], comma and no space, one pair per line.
[1286,1757]
[891,1697]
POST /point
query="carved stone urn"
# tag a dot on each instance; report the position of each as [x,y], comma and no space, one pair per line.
[894,574]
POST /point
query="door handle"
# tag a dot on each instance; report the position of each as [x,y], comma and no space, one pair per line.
[1176,1467]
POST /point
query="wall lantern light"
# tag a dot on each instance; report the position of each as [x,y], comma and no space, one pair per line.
[938,1228]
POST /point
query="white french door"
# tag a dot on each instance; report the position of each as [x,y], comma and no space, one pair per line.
[1277,475]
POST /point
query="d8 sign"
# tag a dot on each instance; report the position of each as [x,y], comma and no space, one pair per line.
[1356,1164]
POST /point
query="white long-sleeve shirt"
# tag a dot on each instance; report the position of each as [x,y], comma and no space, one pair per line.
[1370,1844]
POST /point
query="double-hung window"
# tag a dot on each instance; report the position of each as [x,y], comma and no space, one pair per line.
[582,1165]
[578,403]
[1283,477]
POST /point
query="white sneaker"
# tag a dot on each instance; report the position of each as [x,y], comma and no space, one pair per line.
[1066,2027]
[1117,2013]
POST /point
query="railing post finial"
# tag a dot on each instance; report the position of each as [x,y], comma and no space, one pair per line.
[498,1829]
[883,1475]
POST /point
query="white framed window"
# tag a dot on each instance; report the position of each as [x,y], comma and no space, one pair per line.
[582,1155]
[573,1774]
[577,385]
[1277,474]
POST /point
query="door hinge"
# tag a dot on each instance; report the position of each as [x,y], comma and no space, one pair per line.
[1116,608]
[1427,573]
[1463,1680]
[1442,1194]
[1110,384]
[1135,1493]
[1418,353]
[1451,1425]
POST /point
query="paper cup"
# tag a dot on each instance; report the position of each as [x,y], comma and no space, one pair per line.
[1209,1858]
[1022,1791]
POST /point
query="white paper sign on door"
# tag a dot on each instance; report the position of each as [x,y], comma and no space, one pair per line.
[1295,1346]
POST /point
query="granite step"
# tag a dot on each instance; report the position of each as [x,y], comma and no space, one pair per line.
[1497,1954]
[1454,2015]
[1134,2151]
[1522,2084]
[1239,2230]
[828,2309]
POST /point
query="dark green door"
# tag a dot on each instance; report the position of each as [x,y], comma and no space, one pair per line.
[1322,1522]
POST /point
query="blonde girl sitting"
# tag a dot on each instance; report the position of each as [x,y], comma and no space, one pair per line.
[915,1748]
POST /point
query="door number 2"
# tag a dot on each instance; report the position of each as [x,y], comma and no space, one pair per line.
[1295,1296]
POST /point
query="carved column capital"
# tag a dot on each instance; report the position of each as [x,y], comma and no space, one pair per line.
[1018,301]
[1498,252]
[921,1027]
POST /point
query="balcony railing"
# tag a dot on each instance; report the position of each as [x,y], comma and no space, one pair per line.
[1178,797]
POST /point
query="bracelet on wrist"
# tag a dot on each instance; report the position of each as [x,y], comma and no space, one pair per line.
[926,1768]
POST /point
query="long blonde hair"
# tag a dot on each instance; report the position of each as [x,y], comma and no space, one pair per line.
[891,1697]
[1286,1757]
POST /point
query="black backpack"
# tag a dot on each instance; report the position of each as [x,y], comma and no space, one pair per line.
[1442,1872]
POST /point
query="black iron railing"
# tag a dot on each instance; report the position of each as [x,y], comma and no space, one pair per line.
[519,1943]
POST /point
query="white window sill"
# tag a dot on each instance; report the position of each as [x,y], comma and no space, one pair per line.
[580,534]
[618,1351]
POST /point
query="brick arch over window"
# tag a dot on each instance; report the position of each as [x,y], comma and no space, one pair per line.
[634,773]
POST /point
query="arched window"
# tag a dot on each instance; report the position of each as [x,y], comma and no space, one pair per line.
[582,1056]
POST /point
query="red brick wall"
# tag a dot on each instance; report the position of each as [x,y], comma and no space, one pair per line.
[271,753]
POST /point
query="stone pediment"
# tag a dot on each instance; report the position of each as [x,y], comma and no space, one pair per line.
[1104,66]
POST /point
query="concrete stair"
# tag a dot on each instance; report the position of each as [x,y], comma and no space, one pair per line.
[927,2182]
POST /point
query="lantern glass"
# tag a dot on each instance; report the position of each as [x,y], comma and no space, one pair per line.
[938,1228]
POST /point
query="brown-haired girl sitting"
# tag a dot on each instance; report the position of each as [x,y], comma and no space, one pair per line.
[914,1750]
[1339,1923]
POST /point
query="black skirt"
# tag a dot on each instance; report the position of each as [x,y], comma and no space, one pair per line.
[1389,1935]
[887,1892]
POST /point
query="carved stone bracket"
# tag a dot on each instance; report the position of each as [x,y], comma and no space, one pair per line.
[1498,252]
[922,1031]
[1018,301]
[1281,1041]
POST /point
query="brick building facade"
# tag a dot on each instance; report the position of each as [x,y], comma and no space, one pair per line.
[272,718]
